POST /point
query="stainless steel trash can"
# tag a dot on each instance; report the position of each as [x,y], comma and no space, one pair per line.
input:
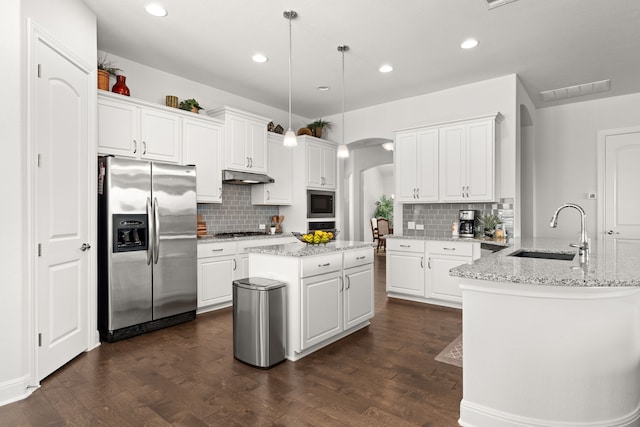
[259,321]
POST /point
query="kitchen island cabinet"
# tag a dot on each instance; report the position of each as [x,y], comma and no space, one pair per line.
[551,342]
[329,290]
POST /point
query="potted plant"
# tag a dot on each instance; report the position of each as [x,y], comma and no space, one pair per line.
[190,105]
[489,222]
[318,126]
[384,209]
[105,69]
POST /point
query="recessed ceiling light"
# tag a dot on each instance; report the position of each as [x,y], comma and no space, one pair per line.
[259,58]
[324,88]
[469,44]
[386,68]
[156,10]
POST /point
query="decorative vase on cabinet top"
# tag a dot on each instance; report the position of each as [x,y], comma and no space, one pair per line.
[121,86]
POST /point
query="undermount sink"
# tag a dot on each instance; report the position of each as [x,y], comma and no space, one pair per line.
[562,256]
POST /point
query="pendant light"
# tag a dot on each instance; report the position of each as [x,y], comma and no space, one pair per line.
[290,139]
[343,151]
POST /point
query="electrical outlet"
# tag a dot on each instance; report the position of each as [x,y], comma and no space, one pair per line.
[262,227]
[419,226]
[411,225]
[591,196]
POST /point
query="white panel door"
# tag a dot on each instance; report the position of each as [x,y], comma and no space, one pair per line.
[61,135]
[427,165]
[406,167]
[202,146]
[622,175]
[321,308]
[452,171]
[160,136]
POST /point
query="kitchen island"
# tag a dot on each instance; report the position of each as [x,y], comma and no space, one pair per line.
[551,342]
[329,290]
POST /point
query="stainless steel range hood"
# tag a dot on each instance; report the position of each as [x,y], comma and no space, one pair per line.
[245,178]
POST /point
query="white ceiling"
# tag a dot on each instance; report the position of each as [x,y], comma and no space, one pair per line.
[548,43]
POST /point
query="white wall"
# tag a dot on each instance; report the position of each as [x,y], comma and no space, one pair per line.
[566,158]
[153,85]
[70,23]
[525,164]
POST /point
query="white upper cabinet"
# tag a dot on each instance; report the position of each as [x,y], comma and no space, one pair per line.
[322,162]
[245,144]
[467,157]
[280,161]
[129,128]
[202,146]
[452,162]
[416,156]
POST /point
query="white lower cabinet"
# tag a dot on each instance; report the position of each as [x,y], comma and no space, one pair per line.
[217,265]
[321,308]
[419,270]
[358,295]
[405,267]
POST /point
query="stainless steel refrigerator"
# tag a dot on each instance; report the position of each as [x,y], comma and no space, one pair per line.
[147,262]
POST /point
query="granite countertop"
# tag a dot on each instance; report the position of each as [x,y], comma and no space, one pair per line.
[209,238]
[478,239]
[608,266]
[299,249]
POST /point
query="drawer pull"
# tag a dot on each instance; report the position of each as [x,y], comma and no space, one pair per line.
[449,249]
[324,265]
[405,246]
[217,250]
[361,257]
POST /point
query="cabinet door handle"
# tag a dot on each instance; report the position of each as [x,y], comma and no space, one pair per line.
[250,162]
[467,191]
[361,257]
[135,146]
[341,283]
[418,193]
[220,192]
[235,264]
[421,262]
[324,265]
[144,147]
[348,282]
[429,263]
[268,194]
[247,162]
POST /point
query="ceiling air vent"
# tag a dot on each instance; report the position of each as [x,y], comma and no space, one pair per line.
[495,3]
[577,90]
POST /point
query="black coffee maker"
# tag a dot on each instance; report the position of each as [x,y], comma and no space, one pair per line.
[467,220]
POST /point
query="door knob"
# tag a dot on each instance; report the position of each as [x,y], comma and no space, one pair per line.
[612,232]
[85,246]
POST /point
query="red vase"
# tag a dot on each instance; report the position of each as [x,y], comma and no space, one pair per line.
[121,86]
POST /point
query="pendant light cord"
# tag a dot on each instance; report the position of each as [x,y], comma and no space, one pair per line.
[343,49]
[290,53]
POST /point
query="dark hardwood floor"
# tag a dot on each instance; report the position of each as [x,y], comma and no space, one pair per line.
[383,375]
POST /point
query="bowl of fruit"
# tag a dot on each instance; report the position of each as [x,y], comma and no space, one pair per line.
[317,237]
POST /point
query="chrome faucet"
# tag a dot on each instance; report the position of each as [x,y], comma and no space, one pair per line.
[583,246]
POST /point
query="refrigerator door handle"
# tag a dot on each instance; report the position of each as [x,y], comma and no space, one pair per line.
[156,231]
[149,231]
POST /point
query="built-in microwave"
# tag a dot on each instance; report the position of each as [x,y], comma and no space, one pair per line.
[321,204]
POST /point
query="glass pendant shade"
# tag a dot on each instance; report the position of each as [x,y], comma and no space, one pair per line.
[343,151]
[290,139]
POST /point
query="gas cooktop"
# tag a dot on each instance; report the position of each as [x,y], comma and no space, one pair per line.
[239,234]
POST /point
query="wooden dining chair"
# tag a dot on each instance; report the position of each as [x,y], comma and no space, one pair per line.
[383,231]
[374,229]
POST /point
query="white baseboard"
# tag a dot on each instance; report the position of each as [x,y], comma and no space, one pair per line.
[14,390]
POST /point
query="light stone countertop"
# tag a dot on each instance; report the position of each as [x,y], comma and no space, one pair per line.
[500,242]
[210,238]
[608,265]
[299,249]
